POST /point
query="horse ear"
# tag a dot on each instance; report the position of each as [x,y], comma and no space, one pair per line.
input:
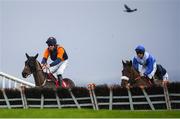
[131,62]
[36,55]
[123,63]
[27,55]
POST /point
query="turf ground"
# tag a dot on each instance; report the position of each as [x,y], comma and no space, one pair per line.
[85,113]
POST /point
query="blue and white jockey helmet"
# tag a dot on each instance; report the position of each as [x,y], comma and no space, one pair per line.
[140,49]
[51,41]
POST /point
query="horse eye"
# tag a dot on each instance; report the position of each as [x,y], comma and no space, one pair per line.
[123,72]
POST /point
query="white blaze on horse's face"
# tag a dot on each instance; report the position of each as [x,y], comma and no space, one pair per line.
[124,78]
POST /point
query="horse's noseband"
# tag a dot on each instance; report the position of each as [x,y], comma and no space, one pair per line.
[125,78]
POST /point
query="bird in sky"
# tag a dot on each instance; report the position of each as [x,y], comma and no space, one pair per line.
[128,9]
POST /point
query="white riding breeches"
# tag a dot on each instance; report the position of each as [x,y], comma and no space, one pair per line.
[165,77]
[59,68]
[143,69]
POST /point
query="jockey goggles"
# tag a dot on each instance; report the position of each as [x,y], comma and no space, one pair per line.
[139,52]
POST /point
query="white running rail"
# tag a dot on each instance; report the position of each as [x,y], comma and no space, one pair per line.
[8,81]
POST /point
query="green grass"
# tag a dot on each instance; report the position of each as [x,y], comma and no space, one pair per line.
[84,113]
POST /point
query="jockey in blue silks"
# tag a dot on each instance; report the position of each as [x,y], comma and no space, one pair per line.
[146,64]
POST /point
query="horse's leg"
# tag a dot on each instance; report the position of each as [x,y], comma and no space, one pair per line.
[142,82]
[158,82]
[49,84]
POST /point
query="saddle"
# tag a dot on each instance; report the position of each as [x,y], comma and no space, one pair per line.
[50,77]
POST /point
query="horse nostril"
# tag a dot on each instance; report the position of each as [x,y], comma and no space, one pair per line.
[24,75]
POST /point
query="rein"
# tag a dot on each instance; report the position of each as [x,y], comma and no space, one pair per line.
[138,78]
[49,73]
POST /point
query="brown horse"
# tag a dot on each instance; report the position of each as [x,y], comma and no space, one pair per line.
[131,77]
[32,66]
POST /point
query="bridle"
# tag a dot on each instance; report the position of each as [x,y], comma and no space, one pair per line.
[33,69]
[130,78]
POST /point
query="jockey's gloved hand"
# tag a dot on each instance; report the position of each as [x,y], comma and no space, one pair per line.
[145,75]
[141,74]
[43,66]
[47,66]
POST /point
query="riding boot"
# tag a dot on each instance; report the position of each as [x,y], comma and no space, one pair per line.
[60,80]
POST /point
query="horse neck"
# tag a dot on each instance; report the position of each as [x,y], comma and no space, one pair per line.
[135,73]
[39,76]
